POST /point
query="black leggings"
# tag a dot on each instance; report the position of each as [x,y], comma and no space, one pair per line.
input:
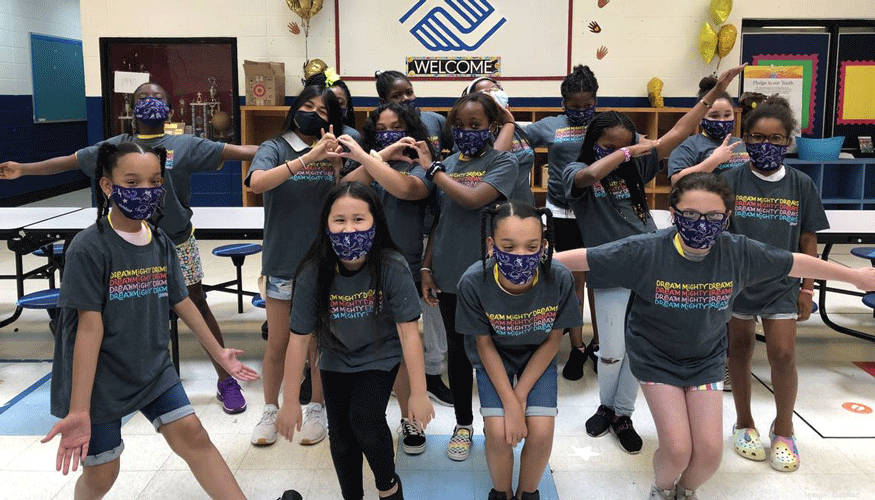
[459,368]
[356,407]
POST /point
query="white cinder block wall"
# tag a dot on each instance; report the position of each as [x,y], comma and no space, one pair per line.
[645,38]
[19,18]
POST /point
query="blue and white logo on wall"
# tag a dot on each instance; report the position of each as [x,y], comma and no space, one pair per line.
[453,25]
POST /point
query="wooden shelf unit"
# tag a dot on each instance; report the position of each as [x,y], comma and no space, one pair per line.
[259,123]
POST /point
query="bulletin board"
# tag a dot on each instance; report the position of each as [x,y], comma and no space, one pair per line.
[855,87]
[809,50]
[58,79]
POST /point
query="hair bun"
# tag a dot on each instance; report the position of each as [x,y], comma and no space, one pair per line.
[707,83]
[378,73]
[776,100]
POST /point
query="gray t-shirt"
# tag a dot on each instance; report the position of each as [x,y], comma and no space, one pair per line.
[457,235]
[525,157]
[133,287]
[435,127]
[563,141]
[291,210]
[776,213]
[603,217]
[698,148]
[364,342]
[186,155]
[518,324]
[676,321]
[406,217]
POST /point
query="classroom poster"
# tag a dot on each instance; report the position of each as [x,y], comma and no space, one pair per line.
[448,35]
[786,81]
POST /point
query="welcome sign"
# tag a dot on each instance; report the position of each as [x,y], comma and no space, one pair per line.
[448,39]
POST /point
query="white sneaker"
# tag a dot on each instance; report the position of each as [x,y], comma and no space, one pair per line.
[265,432]
[315,425]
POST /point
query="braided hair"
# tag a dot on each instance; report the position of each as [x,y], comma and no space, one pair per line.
[495,213]
[108,156]
[627,171]
[385,80]
[580,80]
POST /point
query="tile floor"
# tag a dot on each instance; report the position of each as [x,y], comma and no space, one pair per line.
[837,446]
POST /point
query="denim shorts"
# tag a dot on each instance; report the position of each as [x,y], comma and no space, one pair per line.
[279,287]
[540,403]
[713,386]
[106,442]
[746,317]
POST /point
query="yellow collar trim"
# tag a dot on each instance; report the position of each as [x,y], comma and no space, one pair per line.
[149,136]
[109,218]
[678,246]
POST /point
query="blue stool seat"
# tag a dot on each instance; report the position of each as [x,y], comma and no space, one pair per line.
[45,299]
[814,307]
[57,249]
[257,301]
[869,300]
[865,253]
[237,249]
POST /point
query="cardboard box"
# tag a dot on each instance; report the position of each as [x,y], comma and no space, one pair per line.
[265,83]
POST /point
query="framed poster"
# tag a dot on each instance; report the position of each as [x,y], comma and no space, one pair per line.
[455,39]
[855,86]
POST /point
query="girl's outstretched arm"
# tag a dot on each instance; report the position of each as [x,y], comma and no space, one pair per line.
[806,266]
[420,410]
[574,260]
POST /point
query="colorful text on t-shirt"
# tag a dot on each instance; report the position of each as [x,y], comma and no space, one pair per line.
[519,148]
[737,159]
[693,295]
[132,283]
[618,188]
[168,163]
[356,305]
[757,207]
[569,134]
[315,172]
[469,179]
[512,325]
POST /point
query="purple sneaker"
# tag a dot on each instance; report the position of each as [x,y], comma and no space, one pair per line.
[231,396]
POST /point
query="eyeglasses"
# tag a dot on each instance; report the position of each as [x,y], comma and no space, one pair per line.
[693,216]
[774,139]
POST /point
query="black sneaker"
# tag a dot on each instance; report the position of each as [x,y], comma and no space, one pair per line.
[290,495]
[534,495]
[573,369]
[412,440]
[438,390]
[599,424]
[496,495]
[629,440]
[306,387]
[590,352]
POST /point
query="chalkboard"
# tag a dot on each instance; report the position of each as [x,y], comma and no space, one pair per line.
[58,79]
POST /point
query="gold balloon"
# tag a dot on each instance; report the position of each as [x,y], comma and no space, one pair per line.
[313,67]
[654,92]
[707,42]
[726,40]
[720,10]
[305,8]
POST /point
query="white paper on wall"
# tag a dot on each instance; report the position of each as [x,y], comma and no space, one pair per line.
[126,82]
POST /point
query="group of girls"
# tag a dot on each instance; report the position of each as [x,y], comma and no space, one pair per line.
[348,286]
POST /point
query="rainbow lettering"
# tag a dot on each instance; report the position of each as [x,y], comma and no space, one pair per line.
[132,283]
[357,305]
[513,325]
[469,179]
[618,188]
[693,295]
[315,172]
[569,134]
[755,207]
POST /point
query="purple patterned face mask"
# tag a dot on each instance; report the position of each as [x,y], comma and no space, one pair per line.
[470,142]
[354,245]
[699,234]
[137,203]
[385,138]
[517,268]
[151,111]
[600,152]
[718,129]
[766,156]
[580,117]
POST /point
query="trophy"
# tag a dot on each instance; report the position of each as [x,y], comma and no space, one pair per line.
[182,109]
[127,104]
[214,89]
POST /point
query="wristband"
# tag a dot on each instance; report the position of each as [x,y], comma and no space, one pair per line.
[805,290]
[426,269]
[377,156]
[290,168]
[303,165]
[436,166]
[627,153]
[703,101]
